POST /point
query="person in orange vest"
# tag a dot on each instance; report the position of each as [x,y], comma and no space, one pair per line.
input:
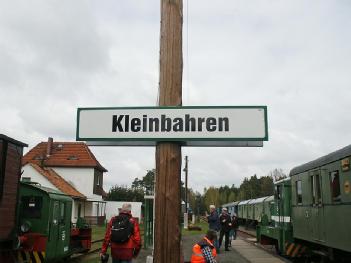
[204,251]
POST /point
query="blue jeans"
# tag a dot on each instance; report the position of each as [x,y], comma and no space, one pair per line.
[121,261]
[216,243]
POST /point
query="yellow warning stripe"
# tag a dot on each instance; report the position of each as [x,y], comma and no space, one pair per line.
[30,257]
[36,256]
[295,250]
[291,247]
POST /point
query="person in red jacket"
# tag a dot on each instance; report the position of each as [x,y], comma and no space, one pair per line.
[122,250]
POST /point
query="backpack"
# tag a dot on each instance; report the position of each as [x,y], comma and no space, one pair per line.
[122,229]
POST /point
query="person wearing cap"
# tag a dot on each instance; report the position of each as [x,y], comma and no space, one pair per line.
[235,225]
[213,223]
[123,252]
[226,226]
[204,251]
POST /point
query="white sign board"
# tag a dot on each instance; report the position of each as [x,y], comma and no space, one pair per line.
[189,125]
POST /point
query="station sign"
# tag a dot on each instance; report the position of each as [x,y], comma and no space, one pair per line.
[188,125]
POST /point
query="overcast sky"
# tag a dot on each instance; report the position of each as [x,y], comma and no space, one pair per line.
[293,56]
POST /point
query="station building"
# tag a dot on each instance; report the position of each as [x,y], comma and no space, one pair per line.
[71,168]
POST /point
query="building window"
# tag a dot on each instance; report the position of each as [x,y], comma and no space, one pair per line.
[316,189]
[335,186]
[98,180]
[299,192]
[79,209]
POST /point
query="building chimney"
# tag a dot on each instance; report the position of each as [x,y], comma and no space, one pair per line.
[49,146]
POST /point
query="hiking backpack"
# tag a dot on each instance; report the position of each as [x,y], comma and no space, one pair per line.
[121,229]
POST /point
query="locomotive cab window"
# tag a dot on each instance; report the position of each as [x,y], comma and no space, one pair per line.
[31,206]
[298,192]
[277,192]
[335,186]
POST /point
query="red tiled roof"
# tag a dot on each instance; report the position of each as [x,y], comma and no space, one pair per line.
[63,154]
[58,181]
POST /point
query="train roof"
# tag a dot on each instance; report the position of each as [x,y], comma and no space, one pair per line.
[245,202]
[258,200]
[329,158]
[231,204]
[47,190]
[6,138]
[282,180]
[269,198]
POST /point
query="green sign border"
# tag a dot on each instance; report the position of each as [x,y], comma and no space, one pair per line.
[265,138]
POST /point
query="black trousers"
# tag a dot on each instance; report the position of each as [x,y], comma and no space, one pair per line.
[226,242]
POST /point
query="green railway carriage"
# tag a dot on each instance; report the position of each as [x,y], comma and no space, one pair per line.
[243,209]
[278,230]
[321,201]
[45,216]
[258,206]
[268,204]
[232,207]
[251,210]
[312,209]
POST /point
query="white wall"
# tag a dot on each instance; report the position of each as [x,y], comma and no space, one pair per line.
[80,178]
[35,176]
[88,206]
[112,209]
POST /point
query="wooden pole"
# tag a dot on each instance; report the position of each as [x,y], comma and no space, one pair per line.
[168,155]
[186,184]
[186,218]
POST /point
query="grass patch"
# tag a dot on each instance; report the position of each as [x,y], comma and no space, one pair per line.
[97,232]
[204,228]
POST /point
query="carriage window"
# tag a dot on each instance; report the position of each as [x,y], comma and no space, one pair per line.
[316,189]
[335,186]
[31,206]
[298,192]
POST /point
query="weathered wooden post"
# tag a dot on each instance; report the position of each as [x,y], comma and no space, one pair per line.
[168,154]
[168,127]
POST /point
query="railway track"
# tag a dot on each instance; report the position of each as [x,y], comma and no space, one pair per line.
[96,246]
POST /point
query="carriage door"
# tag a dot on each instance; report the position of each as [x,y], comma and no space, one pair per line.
[54,231]
[317,211]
